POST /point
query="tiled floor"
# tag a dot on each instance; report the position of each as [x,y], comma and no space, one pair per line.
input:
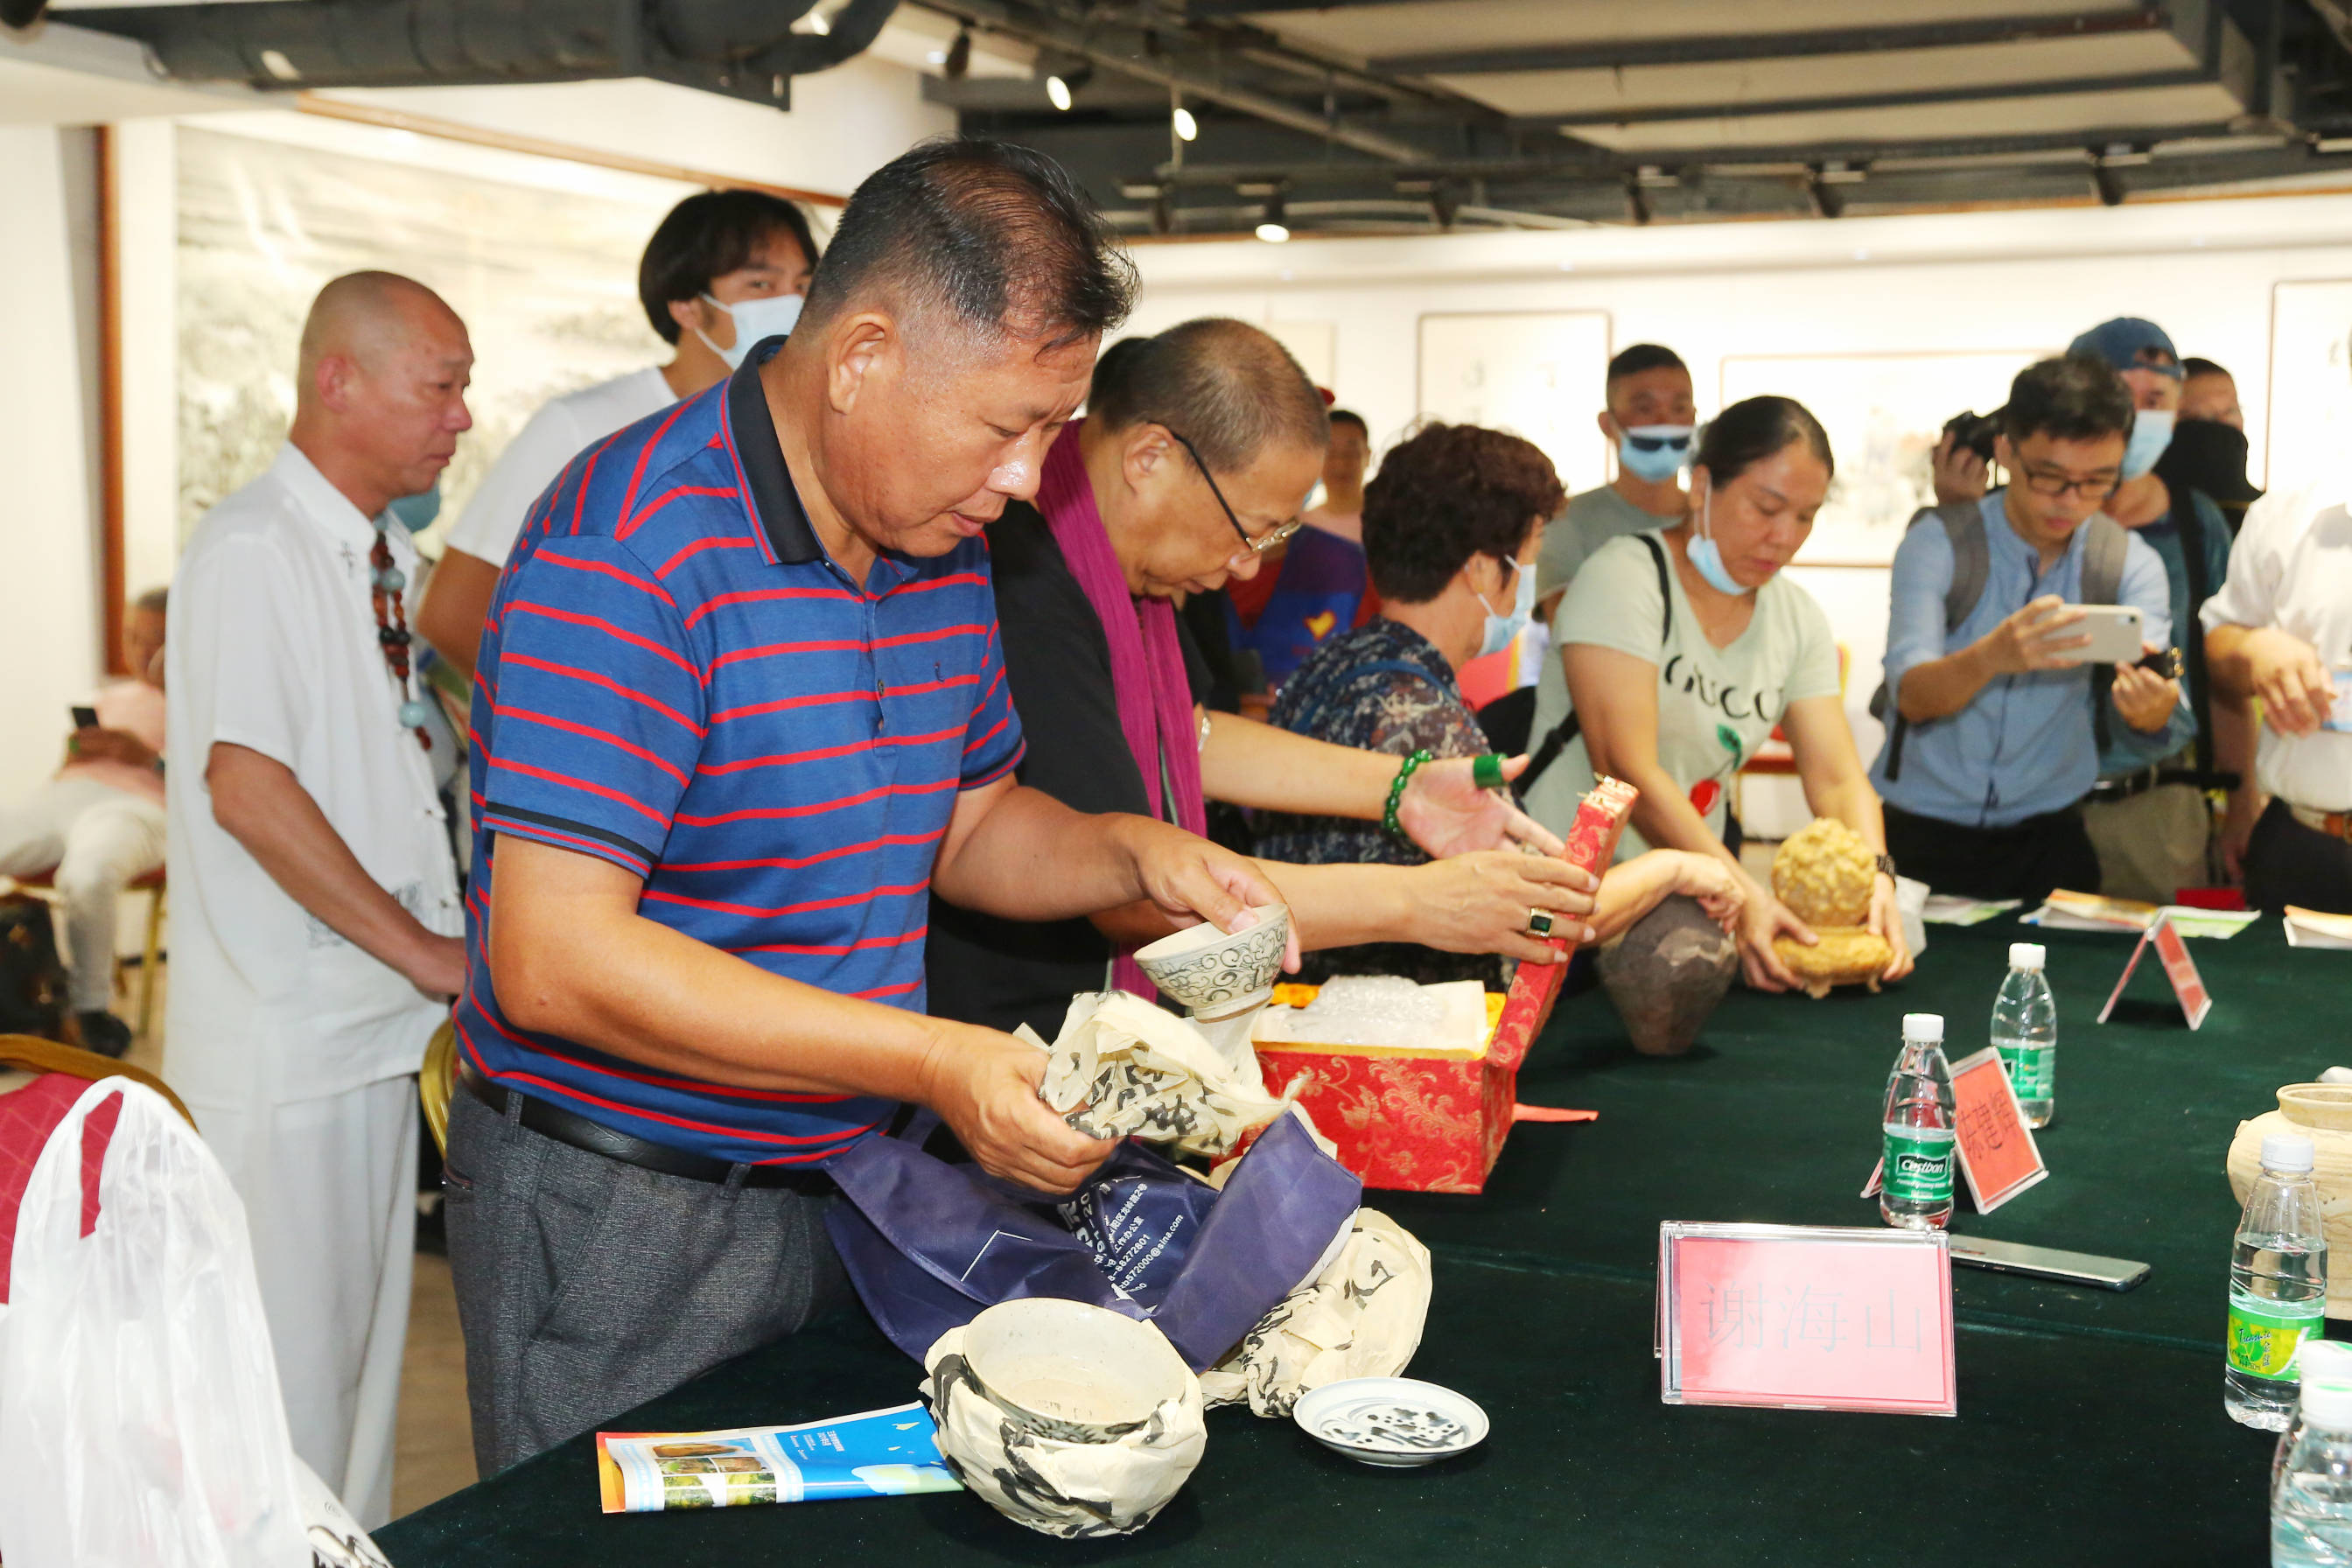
[435,1451]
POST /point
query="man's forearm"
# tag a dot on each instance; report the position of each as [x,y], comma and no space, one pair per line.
[457,602]
[261,805]
[2227,666]
[1942,687]
[1033,858]
[2233,741]
[594,971]
[1267,768]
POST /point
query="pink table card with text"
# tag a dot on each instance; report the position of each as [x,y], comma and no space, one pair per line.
[1806,1317]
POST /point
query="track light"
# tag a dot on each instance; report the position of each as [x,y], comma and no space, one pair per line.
[1271,228]
[1063,85]
[1187,128]
[959,57]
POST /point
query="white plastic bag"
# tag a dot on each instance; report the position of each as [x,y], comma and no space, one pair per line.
[141,1423]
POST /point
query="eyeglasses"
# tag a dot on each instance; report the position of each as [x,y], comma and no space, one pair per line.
[2054,483]
[1264,541]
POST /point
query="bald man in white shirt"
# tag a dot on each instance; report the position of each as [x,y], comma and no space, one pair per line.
[315,941]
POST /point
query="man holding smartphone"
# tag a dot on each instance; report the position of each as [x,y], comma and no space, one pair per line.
[1992,736]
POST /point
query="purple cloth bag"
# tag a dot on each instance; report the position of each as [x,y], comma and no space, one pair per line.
[929,1245]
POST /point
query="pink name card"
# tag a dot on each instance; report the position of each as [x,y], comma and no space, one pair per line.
[2180,970]
[1806,1318]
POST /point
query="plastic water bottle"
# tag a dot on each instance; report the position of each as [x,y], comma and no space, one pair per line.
[2310,1483]
[2025,1033]
[1914,1186]
[2278,1285]
[2327,1362]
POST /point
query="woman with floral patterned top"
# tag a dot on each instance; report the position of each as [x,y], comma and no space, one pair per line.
[1451,526]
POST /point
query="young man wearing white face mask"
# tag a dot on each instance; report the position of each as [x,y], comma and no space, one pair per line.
[723,270]
[1649,420]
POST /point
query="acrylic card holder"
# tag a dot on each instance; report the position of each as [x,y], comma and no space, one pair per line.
[1806,1318]
[1998,1155]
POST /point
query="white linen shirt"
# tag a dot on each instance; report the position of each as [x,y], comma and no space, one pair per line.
[274,647]
[2292,568]
[559,432]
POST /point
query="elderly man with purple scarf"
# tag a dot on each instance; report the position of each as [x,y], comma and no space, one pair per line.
[1199,448]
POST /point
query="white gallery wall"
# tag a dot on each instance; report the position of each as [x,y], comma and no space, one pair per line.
[48,541]
[1971,286]
[844,123]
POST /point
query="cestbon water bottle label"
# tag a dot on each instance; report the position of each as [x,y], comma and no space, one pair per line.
[2265,1334]
[2029,1069]
[1918,1170]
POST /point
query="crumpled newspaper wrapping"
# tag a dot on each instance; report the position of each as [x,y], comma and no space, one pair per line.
[1056,1488]
[1123,1067]
[1360,1317]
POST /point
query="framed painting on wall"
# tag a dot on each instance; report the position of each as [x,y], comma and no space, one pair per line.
[544,277]
[1537,373]
[1883,413]
[2310,416]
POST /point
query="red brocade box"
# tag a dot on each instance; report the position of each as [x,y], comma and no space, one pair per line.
[1435,1122]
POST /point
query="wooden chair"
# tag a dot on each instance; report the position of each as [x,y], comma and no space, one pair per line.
[42,885]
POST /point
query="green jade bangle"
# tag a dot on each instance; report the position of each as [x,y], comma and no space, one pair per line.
[1486,770]
[1396,793]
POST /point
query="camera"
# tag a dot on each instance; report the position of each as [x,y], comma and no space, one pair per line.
[1973,431]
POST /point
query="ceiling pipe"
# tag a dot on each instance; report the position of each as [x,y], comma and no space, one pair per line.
[1158,71]
[743,47]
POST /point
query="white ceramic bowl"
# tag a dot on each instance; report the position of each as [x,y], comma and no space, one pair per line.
[1212,972]
[1072,1372]
[1390,1421]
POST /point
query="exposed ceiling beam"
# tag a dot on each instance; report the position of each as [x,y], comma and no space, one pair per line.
[1907,98]
[1711,49]
[2077,145]
[1138,60]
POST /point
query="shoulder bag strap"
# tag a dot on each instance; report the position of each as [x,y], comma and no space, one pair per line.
[1567,729]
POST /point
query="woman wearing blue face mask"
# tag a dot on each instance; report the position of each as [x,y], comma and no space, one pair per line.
[1680,650]
[1452,526]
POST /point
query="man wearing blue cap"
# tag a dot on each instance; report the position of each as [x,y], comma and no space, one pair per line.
[2148,815]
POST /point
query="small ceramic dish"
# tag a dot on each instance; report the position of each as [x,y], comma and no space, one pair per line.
[1072,1372]
[1212,972]
[1390,1421]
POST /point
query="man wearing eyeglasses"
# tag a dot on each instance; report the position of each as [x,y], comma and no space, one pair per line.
[1199,446]
[1992,739]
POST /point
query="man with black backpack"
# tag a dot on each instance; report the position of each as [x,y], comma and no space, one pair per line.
[1992,733]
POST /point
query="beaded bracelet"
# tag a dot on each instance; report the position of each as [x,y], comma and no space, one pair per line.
[1396,793]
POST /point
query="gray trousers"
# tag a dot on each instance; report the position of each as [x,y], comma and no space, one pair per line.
[586,1287]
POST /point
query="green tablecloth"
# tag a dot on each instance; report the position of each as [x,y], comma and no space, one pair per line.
[2090,1429]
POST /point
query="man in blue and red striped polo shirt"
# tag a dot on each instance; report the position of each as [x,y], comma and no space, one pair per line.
[741,709]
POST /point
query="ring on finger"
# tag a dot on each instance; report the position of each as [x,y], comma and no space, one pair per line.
[1538,922]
